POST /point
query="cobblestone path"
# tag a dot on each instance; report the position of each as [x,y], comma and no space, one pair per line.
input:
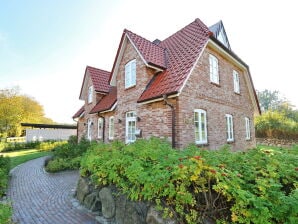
[39,197]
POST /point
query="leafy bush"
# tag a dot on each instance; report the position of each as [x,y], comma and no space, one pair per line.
[4,170]
[67,156]
[274,124]
[60,164]
[259,186]
[5,213]
[44,146]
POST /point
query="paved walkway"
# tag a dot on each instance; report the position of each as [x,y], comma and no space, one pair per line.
[42,198]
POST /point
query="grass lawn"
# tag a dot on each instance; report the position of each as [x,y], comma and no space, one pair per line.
[21,156]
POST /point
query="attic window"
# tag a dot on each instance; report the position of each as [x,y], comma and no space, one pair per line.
[213,64]
[90,94]
[130,74]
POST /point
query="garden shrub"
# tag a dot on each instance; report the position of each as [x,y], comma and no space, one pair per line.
[67,156]
[274,124]
[43,146]
[5,213]
[4,170]
[258,186]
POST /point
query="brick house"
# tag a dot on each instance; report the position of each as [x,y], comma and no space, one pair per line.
[189,88]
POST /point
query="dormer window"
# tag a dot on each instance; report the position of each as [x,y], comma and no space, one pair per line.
[90,94]
[130,74]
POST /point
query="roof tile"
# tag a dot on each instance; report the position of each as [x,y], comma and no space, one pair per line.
[183,48]
[151,52]
[79,112]
[106,102]
[100,79]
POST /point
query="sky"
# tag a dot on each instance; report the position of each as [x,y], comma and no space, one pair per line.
[45,46]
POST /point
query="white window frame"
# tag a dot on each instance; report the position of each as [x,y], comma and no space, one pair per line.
[90,94]
[247,129]
[213,69]
[229,128]
[130,74]
[199,132]
[89,129]
[111,128]
[236,81]
[100,127]
[131,116]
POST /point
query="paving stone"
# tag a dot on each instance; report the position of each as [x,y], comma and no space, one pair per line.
[39,197]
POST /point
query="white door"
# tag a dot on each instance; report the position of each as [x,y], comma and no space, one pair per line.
[131,123]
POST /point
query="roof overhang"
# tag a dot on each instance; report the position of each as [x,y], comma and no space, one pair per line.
[109,110]
[159,98]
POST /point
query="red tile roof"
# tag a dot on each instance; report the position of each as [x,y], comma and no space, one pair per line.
[106,102]
[79,112]
[100,79]
[152,53]
[183,48]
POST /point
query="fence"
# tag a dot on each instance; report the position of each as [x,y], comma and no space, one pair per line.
[16,139]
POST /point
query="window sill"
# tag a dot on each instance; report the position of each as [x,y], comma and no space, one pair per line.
[202,144]
[237,93]
[130,87]
[230,141]
[248,140]
[214,83]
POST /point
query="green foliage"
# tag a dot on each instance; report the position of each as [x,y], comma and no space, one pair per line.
[5,213]
[4,170]
[60,164]
[67,156]
[43,146]
[15,109]
[274,124]
[258,186]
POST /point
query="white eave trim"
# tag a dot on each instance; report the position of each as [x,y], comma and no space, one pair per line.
[112,108]
[158,99]
[222,51]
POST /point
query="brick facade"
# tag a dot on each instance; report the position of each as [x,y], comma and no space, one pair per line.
[154,118]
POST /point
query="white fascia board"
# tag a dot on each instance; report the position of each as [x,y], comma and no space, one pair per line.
[158,99]
[112,108]
[213,45]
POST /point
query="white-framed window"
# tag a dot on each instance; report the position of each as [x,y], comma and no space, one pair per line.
[247,128]
[89,129]
[100,127]
[130,74]
[236,82]
[200,122]
[111,128]
[229,128]
[90,94]
[131,125]
[213,64]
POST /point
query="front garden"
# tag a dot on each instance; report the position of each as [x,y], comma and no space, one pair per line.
[192,185]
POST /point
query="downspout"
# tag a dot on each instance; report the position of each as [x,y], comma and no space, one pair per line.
[166,102]
[103,127]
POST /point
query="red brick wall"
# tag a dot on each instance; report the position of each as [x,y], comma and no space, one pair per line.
[154,117]
[217,100]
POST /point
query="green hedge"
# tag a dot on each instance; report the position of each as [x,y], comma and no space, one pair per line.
[258,186]
[274,124]
[44,146]
[4,170]
[67,156]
